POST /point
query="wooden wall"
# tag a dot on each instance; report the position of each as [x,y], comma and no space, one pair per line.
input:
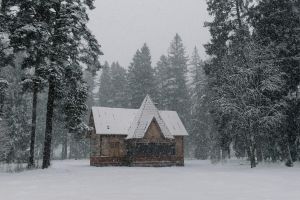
[108,145]
[153,133]
[179,146]
[107,150]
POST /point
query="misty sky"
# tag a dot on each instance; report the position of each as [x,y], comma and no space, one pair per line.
[122,26]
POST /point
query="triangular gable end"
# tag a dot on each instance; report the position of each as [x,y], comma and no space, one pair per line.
[143,119]
[153,130]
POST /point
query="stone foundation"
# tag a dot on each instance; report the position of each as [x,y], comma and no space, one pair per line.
[137,162]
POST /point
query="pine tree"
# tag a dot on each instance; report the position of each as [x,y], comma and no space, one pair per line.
[29,35]
[228,75]
[220,28]
[71,41]
[276,24]
[161,77]
[176,95]
[105,87]
[245,84]
[141,77]
[119,86]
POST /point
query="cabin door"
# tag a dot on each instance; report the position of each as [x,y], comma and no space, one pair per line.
[115,149]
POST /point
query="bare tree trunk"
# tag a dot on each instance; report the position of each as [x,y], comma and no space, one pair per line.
[251,155]
[49,119]
[252,159]
[33,126]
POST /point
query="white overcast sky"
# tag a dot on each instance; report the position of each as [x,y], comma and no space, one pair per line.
[123,26]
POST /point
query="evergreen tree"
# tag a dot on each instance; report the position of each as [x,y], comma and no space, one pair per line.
[105,87]
[161,77]
[228,32]
[244,81]
[119,86]
[276,24]
[29,35]
[176,95]
[71,41]
[141,77]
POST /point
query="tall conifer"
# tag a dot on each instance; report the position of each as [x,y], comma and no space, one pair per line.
[141,77]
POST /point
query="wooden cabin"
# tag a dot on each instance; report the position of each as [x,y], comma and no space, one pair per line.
[136,137]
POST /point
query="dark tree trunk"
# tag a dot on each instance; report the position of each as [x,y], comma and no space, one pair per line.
[251,152]
[289,162]
[33,126]
[252,158]
[48,131]
[228,151]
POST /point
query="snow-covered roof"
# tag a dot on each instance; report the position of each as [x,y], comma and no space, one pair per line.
[133,123]
[143,119]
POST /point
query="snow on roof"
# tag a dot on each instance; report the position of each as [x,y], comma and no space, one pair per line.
[117,121]
[173,123]
[144,117]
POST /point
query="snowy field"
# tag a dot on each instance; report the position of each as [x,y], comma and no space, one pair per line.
[198,180]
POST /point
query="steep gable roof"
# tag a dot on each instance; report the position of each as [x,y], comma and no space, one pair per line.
[117,121]
[144,117]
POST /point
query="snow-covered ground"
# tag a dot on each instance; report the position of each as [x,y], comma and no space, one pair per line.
[198,180]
